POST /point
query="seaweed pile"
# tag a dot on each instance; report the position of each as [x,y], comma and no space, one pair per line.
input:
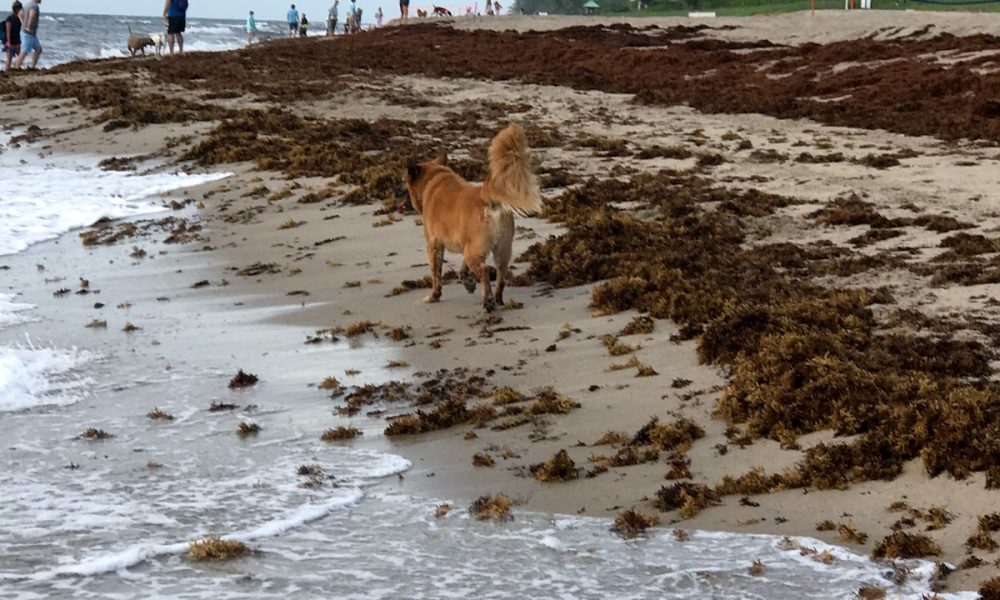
[646,445]
[631,524]
[449,398]
[215,548]
[366,157]
[802,357]
[830,83]
[120,104]
[810,80]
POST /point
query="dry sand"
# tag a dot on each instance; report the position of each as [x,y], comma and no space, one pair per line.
[792,28]
[946,178]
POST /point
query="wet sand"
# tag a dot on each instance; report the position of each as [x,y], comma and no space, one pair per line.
[335,264]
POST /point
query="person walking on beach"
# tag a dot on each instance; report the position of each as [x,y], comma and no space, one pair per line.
[404,9]
[378,17]
[251,28]
[175,12]
[293,22]
[352,15]
[12,34]
[30,16]
[331,19]
[303,25]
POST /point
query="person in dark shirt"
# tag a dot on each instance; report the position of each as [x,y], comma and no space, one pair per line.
[12,34]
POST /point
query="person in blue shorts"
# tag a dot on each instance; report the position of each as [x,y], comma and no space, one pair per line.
[12,34]
[30,16]
[293,22]
[175,12]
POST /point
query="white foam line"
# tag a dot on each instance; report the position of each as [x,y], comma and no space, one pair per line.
[9,310]
[137,553]
[27,372]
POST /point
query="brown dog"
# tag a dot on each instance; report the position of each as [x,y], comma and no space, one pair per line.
[138,43]
[421,12]
[440,11]
[475,220]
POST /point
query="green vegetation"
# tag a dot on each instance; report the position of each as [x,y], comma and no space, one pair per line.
[729,8]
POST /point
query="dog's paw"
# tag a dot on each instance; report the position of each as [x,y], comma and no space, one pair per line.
[490,305]
[470,283]
[432,298]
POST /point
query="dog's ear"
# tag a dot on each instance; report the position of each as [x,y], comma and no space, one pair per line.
[413,171]
[442,157]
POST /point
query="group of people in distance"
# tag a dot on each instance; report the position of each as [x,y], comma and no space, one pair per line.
[20,34]
[298,24]
[492,8]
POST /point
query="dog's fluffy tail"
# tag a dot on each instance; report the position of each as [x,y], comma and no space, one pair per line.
[512,183]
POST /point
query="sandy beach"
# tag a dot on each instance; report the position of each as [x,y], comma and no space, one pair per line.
[784,252]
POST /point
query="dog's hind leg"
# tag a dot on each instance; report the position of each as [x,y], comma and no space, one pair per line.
[467,279]
[435,258]
[501,254]
[477,264]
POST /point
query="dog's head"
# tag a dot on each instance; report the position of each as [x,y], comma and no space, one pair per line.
[417,176]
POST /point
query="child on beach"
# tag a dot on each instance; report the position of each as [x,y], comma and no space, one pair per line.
[378,17]
[303,26]
[251,28]
[12,34]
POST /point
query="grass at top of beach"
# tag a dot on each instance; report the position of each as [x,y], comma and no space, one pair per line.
[740,8]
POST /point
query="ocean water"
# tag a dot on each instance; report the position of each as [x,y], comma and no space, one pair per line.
[112,518]
[68,37]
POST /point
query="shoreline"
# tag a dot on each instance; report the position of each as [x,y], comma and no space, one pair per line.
[244,227]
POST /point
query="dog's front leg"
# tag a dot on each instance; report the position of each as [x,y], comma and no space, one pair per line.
[435,258]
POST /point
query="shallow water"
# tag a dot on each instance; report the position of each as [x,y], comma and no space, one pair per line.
[69,37]
[93,519]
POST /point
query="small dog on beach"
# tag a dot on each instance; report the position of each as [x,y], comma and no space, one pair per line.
[440,11]
[472,219]
[138,43]
[421,12]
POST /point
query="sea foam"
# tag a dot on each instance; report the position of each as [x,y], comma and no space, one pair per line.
[33,376]
[61,193]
